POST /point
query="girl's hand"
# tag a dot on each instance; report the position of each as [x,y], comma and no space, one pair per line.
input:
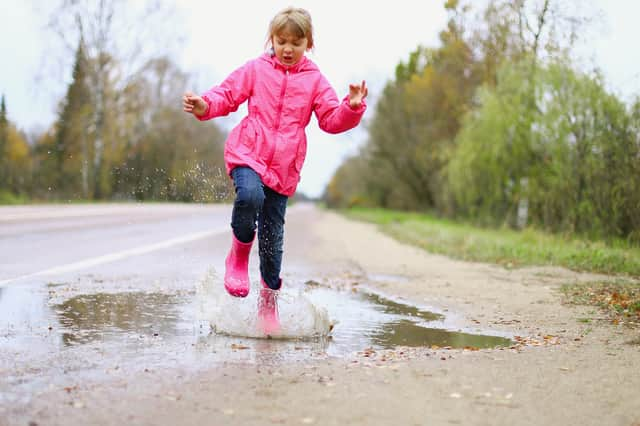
[357,92]
[194,104]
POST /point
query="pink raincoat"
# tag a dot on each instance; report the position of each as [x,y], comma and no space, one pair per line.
[271,139]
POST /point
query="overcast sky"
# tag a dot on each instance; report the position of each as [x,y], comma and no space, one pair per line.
[355,40]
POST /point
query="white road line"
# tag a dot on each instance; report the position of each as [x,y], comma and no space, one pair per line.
[94,261]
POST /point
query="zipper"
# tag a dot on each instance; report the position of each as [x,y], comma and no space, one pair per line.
[281,103]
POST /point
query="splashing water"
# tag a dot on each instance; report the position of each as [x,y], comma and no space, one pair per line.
[236,316]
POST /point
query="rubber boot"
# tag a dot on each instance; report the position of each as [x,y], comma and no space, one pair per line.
[236,274]
[268,319]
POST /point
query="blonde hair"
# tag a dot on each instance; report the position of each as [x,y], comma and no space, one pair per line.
[295,20]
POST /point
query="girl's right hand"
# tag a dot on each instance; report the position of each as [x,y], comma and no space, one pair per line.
[194,104]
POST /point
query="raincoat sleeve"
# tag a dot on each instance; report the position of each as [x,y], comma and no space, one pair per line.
[230,94]
[335,116]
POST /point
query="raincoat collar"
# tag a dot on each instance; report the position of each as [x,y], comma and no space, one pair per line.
[301,65]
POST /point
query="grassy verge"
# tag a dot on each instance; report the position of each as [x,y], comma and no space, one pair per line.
[8,198]
[504,246]
[619,300]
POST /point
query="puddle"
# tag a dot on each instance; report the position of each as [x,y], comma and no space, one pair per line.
[360,319]
[101,316]
[44,337]
[367,319]
[388,306]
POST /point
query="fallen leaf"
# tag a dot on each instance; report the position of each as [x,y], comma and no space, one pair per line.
[240,347]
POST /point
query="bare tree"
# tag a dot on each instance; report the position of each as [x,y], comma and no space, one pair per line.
[120,38]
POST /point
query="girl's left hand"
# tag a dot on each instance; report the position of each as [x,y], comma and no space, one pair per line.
[357,93]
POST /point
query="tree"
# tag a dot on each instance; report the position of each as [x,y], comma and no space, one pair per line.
[417,120]
[74,147]
[112,62]
[168,154]
[17,168]
[576,165]
[4,136]
[417,117]
[14,157]
[45,166]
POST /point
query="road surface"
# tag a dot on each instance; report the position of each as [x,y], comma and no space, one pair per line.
[99,303]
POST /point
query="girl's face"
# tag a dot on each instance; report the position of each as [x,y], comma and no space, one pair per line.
[289,49]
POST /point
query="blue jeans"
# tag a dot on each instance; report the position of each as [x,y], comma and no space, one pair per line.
[256,203]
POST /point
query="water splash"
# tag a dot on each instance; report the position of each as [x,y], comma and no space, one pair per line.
[235,316]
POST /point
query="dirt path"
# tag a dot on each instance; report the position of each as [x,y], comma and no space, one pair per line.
[568,372]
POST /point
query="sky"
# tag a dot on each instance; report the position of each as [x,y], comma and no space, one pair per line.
[355,40]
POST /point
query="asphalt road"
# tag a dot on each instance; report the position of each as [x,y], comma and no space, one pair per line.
[40,243]
[99,325]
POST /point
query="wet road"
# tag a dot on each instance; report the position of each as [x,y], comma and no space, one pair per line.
[86,291]
[86,288]
[57,242]
[105,314]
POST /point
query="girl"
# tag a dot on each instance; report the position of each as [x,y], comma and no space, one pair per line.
[265,152]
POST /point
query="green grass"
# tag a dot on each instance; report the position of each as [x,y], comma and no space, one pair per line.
[506,247]
[619,299]
[8,198]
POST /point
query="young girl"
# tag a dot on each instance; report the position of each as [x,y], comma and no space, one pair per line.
[265,152]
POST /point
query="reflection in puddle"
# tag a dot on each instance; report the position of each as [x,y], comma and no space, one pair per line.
[365,319]
[157,329]
[407,333]
[91,317]
[390,307]
[43,339]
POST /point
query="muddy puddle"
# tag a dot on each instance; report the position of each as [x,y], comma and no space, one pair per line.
[44,336]
[31,319]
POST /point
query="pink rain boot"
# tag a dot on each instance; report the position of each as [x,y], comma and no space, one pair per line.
[268,319]
[236,274]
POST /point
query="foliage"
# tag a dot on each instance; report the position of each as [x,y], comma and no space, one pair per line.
[71,158]
[567,165]
[346,182]
[497,126]
[619,299]
[403,163]
[9,198]
[4,136]
[14,160]
[170,155]
[120,132]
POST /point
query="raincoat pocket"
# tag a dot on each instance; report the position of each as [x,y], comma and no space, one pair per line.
[300,155]
[248,135]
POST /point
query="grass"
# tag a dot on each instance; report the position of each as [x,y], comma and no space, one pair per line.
[619,299]
[8,198]
[506,247]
